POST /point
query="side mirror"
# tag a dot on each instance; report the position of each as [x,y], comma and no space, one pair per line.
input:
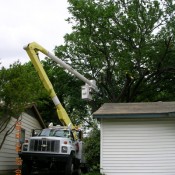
[35,132]
[80,135]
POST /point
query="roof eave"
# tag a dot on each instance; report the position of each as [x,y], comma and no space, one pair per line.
[134,116]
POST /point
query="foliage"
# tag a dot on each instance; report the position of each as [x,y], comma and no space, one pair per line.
[19,87]
[127,46]
[93,173]
[92,149]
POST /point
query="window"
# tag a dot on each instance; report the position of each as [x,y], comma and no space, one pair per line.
[22,136]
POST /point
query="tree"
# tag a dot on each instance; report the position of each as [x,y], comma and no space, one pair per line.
[127,46]
[19,86]
[92,149]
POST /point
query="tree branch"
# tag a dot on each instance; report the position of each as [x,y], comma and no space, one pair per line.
[165,53]
[9,131]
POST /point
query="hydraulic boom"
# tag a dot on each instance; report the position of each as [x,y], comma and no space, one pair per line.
[32,50]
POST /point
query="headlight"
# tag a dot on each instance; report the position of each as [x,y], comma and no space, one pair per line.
[64,149]
[25,147]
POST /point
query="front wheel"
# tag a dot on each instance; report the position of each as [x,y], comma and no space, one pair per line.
[26,168]
[69,166]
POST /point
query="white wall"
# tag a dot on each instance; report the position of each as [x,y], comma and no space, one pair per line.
[8,152]
[29,123]
[138,147]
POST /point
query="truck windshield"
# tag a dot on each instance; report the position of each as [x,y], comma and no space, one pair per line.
[55,133]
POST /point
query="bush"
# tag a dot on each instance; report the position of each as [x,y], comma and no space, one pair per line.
[92,150]
[93,173]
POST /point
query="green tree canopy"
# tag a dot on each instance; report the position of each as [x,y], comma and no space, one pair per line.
[127,46]
[19,87]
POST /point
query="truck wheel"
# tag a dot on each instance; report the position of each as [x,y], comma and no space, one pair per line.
[69,166]
[26,168]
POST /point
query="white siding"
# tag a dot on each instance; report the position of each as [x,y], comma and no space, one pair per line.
[8,153]
[138,147]
[29,123]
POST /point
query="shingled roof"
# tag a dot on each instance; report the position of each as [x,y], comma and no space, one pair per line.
[134,110]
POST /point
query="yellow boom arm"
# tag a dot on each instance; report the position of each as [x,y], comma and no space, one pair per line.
[32,50]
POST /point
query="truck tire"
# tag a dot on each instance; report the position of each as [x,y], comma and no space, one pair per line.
[26,168]
[69,166]
[77,169]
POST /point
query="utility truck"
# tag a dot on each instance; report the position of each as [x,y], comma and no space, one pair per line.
[56,148]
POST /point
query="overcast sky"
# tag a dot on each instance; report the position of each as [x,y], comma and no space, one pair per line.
[24,21]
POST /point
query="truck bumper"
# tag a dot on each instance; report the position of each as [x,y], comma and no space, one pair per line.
[43,157]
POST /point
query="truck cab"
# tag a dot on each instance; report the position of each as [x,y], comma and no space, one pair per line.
[54,149]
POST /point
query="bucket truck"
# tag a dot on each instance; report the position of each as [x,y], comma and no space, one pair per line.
[56,148]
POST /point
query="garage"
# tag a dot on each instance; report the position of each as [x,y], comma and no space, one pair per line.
[137,138]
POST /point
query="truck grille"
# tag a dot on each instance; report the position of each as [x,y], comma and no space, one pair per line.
[44,145]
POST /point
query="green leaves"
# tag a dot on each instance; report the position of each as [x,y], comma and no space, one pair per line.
[121,44]
[19,86]
[92,149]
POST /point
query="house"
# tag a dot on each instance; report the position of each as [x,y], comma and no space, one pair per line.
[137,138]
[29,120]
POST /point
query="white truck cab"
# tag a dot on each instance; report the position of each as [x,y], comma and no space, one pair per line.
[53,148]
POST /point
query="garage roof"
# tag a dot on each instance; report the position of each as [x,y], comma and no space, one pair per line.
[135,110]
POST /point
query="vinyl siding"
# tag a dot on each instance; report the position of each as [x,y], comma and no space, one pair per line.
[28,124]
[8,153]
[134,147]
